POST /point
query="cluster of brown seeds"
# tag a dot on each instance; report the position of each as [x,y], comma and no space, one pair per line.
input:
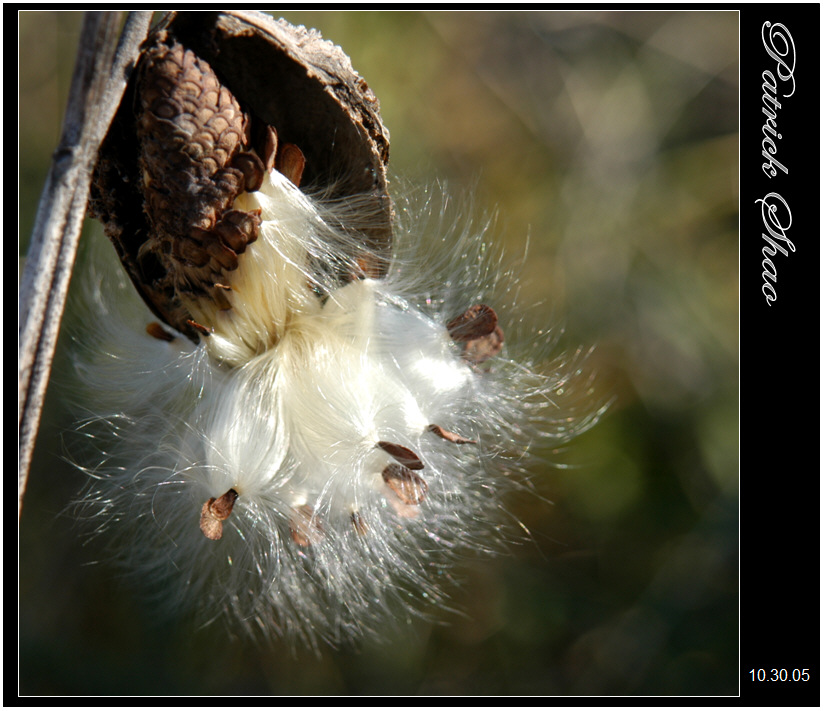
[478,332]
[195,158]
[198,150]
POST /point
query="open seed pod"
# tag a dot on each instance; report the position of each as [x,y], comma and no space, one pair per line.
[331,443]
[216,99]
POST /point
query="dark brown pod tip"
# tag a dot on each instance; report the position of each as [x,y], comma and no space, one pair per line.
[402,454]
[405,484]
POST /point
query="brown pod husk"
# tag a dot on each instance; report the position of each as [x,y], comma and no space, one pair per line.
[164,190]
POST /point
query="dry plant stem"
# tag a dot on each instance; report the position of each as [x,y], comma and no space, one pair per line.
[98,83]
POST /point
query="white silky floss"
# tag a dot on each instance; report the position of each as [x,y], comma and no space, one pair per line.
[366,452]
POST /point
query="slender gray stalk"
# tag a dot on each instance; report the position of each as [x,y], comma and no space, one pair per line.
[100,75]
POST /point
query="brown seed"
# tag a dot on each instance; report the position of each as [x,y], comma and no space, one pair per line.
[237,229]
[407,486]
[155,330]
[252,168]
[225,257]
[402,454]
[232,237]
[215,512]
[270,147]
[189,250]
[209,525]
[481,349]
[222,507]
[248,221]
[290,162]
[305,527]
[449,436]
[222,303]
[477,321]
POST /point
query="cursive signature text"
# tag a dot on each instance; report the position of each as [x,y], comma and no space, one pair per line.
[780,46]
[777,219]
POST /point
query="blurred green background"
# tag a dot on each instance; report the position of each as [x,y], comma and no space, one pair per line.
[609,140]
